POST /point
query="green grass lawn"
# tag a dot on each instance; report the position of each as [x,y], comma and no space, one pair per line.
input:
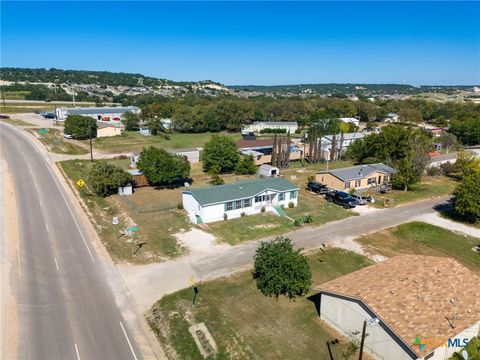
[54,141]
[424,239]
[429,187]
[131,141]
[247,325]
[253,227]
[156,224]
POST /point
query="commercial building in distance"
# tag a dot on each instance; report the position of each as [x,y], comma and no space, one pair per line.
[98,113]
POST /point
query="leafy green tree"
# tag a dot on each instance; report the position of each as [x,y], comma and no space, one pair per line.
[467,131]
[131,121]
[405,174]
[105,178]
[220,154]
[161,167]
[279,269]
[246,165]
[466,199]
[466,164]
[80,127]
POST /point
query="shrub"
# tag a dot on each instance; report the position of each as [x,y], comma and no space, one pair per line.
[308,219]
[216,180]
[225,217]
[243,214]
[263,209]
[311,178]
[180,206]
[279,269]
[297,222]
[298,131]
[105,178]
[246,165]
[291,205]
[434,171]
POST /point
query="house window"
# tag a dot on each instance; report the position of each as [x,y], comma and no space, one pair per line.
[281,197]
[238,204]
[229,206]
[258,199]
[371,181]
[347,185]
[293,194]
[246,203]
[357,183]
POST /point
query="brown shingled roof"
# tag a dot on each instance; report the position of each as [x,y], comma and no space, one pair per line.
[414,295]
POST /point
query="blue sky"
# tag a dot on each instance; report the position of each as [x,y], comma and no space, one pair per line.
[250,42]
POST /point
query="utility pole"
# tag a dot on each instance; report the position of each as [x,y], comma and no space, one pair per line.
[91,150]
[73,98]
[362,341]
[3,97]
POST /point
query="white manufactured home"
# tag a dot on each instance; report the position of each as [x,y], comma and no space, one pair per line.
[205,205]
[98,113]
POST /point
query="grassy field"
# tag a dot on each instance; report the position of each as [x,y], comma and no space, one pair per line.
[131,141]
[247,325]
[254,227]
[156,224]
[16,122]
[423,239]
[54,141]
[429,187]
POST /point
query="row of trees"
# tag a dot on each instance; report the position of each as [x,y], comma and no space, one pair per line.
[200,114]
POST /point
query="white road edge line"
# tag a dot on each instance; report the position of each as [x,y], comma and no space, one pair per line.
[46,225]
[76,350]
[56,264]
[128,340]
[71,213]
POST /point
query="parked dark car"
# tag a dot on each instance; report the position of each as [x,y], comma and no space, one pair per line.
[3,116]
[341,198]
[317,188]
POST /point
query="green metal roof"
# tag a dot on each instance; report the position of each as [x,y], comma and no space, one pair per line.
[239,190]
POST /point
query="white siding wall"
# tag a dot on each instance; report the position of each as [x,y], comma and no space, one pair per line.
[347,317]
[215,212]
[190,205]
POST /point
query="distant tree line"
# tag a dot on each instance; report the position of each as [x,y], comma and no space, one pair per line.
[193,113]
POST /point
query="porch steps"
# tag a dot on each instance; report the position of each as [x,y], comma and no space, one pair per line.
[199,219]
[280,211]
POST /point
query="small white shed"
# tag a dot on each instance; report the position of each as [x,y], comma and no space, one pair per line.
[266,170]
[125,190]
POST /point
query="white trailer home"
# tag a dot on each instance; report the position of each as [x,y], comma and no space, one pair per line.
[211,204]
[98,113]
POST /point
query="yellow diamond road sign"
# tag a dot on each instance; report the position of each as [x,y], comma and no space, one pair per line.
[80,182]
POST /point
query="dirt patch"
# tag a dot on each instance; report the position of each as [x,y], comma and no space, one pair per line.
[198,241]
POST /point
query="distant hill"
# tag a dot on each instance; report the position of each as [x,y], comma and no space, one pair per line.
[347,88]
[104,78]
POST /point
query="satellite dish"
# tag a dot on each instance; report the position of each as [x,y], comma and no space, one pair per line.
[465,354]
[186,184]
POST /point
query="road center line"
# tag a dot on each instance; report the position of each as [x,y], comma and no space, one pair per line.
[71,212]
[46,225]
[76,350]
[56,264]
[128,340]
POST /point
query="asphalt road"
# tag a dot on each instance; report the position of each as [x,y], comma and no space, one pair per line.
[147,282]
[66,308]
